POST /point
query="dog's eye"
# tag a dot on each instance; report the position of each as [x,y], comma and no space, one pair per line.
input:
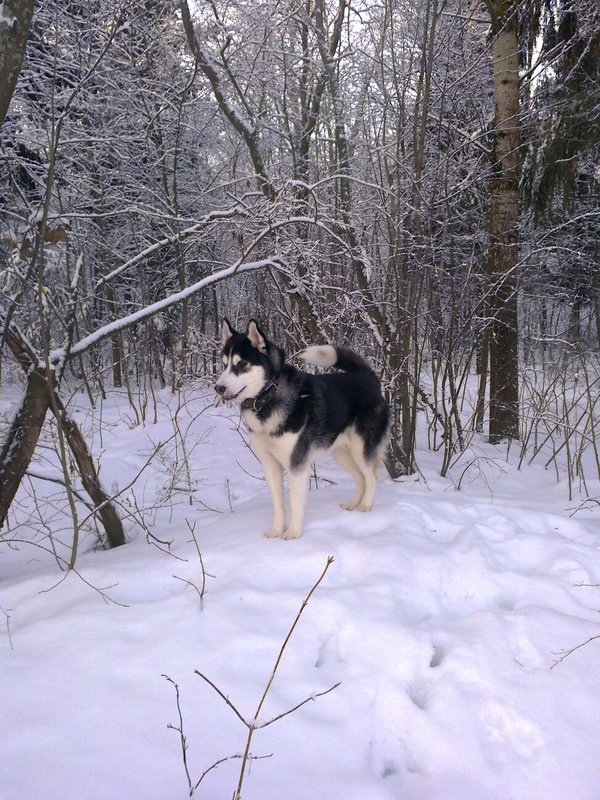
[242,364]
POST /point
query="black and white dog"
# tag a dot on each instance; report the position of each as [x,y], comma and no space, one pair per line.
[294,417]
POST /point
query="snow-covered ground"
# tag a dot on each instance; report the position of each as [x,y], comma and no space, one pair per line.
[444,616]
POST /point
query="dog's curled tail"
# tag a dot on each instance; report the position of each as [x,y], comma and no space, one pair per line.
[326,355]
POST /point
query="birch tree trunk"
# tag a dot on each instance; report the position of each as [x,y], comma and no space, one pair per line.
[504,241]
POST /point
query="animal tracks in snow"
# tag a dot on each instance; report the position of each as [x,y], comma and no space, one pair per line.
[421,689]
[418,692]
[467,587]
[510,733]
[438,655]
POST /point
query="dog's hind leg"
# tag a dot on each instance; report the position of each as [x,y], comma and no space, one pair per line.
[274,477]
[344,458]
[368,470]
[298,486]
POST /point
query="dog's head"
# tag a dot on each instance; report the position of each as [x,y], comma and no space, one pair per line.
[251,363]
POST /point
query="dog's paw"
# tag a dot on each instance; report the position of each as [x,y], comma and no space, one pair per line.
[273,533]
[351,505]
[291,533]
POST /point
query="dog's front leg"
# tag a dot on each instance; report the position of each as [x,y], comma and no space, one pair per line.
[298,486]
[274,478]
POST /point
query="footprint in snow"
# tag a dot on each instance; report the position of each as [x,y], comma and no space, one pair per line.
[438,656]
[507,730]
[418,693]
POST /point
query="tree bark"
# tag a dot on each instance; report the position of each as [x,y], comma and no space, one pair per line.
[22,439]
[504,241]
[15,21]
[89,477]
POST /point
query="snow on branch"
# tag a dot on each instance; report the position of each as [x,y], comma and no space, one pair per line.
[210,67]
[206,220]
[244,125]
[161,305]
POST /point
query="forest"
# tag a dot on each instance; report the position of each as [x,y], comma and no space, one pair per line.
[418,180]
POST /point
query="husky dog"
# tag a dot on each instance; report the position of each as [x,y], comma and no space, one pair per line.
[294,417]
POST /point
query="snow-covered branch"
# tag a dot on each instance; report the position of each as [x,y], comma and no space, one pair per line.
[245,127]
[161,305]
[213,216]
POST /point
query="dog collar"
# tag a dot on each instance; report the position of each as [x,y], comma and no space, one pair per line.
[261,400]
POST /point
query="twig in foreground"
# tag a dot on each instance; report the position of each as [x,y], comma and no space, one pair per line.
[254,723]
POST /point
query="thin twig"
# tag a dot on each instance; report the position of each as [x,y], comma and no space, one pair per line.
[182,737]
[192,530]
[567,653]
[223,697]
[312,698]
[252,723]
[222,761]
[192,787]
[305,602]
[8,631]
[251,727]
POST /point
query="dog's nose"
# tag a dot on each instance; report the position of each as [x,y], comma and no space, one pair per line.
[219,389]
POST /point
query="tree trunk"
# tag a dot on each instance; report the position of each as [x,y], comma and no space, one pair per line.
[116,342]
[597,314]
[20,445]
[503,255]
[14,32]
[89,477]
[483,352]
[22,439]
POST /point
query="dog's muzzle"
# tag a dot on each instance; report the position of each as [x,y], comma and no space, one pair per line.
[220,390]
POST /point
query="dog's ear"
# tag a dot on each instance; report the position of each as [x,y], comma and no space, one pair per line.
[226,331]
[256,336]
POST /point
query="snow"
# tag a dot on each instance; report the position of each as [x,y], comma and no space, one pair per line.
[6,19]
[444,615]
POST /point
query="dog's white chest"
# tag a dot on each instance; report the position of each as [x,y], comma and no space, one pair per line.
[282,447]
[266,427]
